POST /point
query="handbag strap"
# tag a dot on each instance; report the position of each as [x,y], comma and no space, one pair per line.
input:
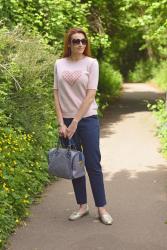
[58,143]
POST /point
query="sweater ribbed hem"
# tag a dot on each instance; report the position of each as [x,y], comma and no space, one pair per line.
[72,115]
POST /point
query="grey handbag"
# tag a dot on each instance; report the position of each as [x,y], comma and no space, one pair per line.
[66,162]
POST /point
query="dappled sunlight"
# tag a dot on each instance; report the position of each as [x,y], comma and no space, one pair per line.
[132,173]
[128,139]
[133,146]
[140,87]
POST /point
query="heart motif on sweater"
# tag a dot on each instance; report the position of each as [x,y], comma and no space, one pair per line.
[71,76]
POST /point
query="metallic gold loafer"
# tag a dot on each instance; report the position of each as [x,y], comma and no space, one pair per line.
[77,215]
[106,219]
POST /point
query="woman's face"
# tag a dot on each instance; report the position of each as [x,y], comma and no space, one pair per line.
[78,43]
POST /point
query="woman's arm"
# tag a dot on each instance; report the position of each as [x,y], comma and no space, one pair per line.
[62,126]
[90,96]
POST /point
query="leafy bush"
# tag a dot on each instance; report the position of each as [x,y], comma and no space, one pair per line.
[160,75]
[27,124]
[110,82]
[159,109]
[26,65]
[142,72]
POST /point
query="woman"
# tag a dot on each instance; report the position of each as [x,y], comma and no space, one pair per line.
[75,84]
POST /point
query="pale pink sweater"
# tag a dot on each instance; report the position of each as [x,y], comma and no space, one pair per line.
[72,79]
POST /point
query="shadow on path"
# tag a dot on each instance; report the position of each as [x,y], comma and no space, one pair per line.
[132,100]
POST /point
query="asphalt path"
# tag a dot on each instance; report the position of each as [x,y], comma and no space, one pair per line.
[135,177]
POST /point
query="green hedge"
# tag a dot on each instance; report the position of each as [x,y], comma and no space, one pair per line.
[160,75]
[110,83]
[159,109]
[143,71]
[27,124]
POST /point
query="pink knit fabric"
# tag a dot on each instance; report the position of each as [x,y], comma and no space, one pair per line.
[72,79]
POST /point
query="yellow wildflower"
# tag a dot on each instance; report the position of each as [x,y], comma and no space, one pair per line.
[25,201]
[5,188]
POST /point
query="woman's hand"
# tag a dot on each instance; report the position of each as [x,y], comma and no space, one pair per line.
[63,130]
[72,128]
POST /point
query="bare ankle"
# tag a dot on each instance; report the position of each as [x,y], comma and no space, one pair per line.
[83,205]
[101,209]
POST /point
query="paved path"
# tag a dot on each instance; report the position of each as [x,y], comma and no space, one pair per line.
[135,176]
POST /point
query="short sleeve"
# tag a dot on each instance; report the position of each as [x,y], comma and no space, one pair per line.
[55,84]
[93,75]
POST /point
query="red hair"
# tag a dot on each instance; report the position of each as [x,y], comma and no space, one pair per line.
[67,41]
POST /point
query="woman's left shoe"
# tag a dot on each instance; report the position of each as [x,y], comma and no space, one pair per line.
[106,218]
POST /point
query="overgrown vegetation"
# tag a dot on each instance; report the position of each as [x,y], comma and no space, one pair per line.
[143,71]
[27,124]
[109,82]
[160,75]
[159,109]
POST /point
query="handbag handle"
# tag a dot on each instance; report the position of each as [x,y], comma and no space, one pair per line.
[69,146]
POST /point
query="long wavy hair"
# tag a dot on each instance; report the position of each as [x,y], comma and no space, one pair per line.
[67,41]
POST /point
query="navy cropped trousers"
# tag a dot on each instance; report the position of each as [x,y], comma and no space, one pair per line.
[86,138]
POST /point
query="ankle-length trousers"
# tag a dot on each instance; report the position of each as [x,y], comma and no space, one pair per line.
[86,138]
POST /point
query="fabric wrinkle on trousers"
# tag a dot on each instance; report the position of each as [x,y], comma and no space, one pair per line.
[86,138]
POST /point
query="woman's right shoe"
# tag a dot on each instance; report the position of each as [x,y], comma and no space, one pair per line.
[106,218]
[76,215]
